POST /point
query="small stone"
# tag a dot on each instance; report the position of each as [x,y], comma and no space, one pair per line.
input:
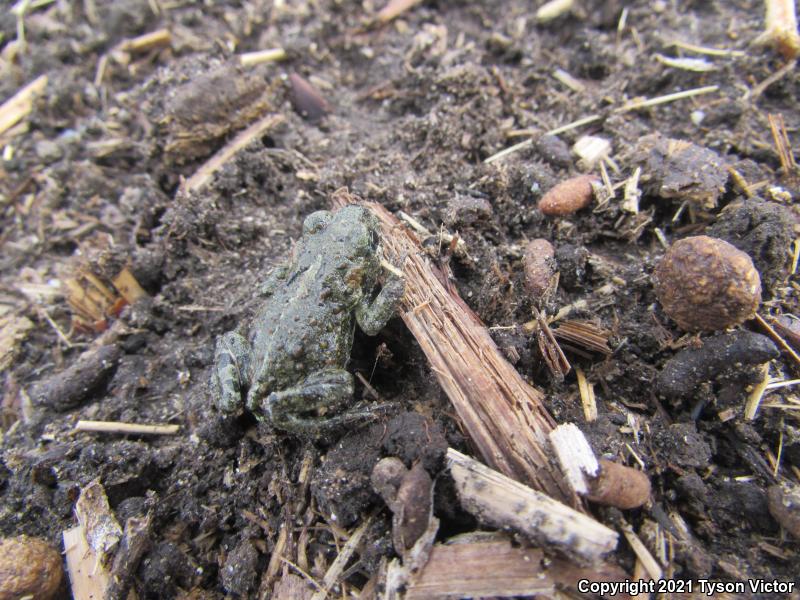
[568,196]
[240,570]
[29,567]
[682,170]
[706,284]
[784,505]
[306,99]
[467,210]
[541,276]
[48,151]
[554,150]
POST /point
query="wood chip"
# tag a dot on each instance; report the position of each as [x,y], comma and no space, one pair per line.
[496,500]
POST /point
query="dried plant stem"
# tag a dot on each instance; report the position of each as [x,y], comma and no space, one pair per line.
[204,174]
[251,59]
[148,41]
[777,338]
[20,104]
[782,144]
[632,105]
[126,428]
[337,566]
[644,103]
[503,415]
[394,8]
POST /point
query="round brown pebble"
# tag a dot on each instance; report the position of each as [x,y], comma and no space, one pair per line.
[705,283]
[568,196]
[29,567]
[784,505]
[619,486]
[540,268]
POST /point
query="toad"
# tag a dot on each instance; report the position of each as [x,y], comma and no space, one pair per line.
[292,363]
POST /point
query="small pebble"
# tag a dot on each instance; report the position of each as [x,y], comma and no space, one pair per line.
[568,196]
[29,567]
[48,151]
[620,486]
[554,150]
[306,99]
[682,170]
[467,210]
[784,505]
[706,284]
[541,276]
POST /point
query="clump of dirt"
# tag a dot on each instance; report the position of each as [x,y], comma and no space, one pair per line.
[95,181]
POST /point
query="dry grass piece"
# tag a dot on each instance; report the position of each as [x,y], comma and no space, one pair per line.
[126,428]
[503,415]
[588,401]
[395,8]
[20,104]
[782,144]
[251,59]
[204,174]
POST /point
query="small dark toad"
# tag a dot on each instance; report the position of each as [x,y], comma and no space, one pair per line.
[293,361]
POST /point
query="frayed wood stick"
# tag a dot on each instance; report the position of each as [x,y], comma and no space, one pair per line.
[503,415]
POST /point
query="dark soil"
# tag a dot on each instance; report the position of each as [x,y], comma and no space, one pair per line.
[416,106]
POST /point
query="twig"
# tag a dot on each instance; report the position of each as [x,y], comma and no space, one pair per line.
[588,400]
[642,553]
[394,8]
[20,104]
[344,556]
[705,49]
[126,428]
[251,59]
[645,103]
[777,338]
[204,174]
[753,95]
[524,144]
[145,42]
[782,144]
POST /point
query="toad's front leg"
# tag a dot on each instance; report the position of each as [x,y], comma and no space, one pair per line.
[373,313]
[231,368]
[328,388]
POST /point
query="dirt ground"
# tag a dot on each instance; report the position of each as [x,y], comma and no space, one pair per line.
[90,188]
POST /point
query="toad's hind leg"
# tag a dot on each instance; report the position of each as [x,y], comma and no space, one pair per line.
[329,388]
[231,366]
